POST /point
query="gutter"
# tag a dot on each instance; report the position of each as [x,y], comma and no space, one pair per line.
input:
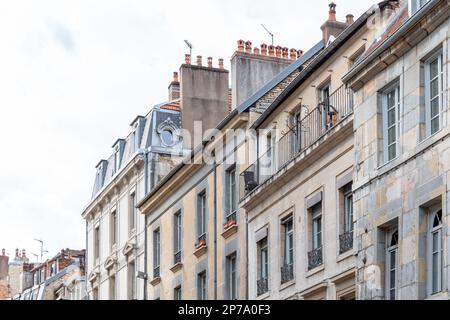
[215,229]
[386,44]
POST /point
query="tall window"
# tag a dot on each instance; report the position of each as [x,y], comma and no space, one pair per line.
[232,277]
[156,253]
[436,250]
[131,281]
[433,92]
[116,158]
[113,228]
[325,92]
[391,122]
[97,242]
[391,264]
[263,267]
[201,286]
[132,212]
[201,215]
[230,191]
[177,237]
[316,235]
[112,287]
[288,241]
[348,208]
[177,293]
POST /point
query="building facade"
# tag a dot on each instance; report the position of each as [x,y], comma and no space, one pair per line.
[402,157]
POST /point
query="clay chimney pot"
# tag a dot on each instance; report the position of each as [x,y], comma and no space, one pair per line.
[248,46]
[349,19]
[175,76]
[278,51]
[220,63]
[293,54]
[332,12]
[240,45]
[264,49]
[199,60]
[210,62]
[256,50]
[187,59]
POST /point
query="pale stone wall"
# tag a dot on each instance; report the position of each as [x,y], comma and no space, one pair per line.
[397,194]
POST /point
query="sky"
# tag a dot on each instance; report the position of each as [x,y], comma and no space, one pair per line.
[75,73]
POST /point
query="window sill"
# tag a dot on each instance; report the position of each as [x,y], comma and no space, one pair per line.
[263,296]
[314,271]
[201,250]
[177,267]
[229,231]
[345,255]
[286,285]
[155,281]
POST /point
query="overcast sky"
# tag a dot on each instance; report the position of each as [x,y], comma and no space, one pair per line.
[74,74]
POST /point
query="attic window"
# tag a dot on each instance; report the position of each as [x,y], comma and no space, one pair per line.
[136,136]
[116,158]
[416,5]
[167,137]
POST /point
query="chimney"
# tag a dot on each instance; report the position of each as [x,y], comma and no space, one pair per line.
[24,256]
[3,252]
[240,45]
[203,99]
[187,59]
[199,60]
[174,88]
[210,62]
[4,265]
[332,27]
[349,19]
[293,54]
[249,72]
[17,253]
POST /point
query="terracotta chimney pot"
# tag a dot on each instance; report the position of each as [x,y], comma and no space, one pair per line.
[293,54]
[256,50]
[271,50]
[240,45]
[349,19]
[278,51]
[199,60]
[248,46]
[332,12]
[187,59]
[175,77]
[264,49]
[210,62]
[220,63]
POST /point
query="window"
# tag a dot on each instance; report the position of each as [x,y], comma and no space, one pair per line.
[131,281]
[132,212]
[136,137]
[231,277]
[167,137]
[156,252]
[230,191]
[113,228]
[324,98]
[391,264]
[391,122]
[177,293]
[346,235]
[112,287]
[263,267]
[177,238]
[201,215]
[287,269]
[415,5]
[95,293]
[201,286]
[270,144]
[435,250]
[433,92]
[316,226]
[116,159]
[97,242]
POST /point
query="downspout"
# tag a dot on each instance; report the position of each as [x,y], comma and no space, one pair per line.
[86,263]
[215,229]
[145,223]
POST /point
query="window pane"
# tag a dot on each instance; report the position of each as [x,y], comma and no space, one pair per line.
[391,135]
[392,152]
[434,69]
[391,117]
[434,125]
[434,88]
[391,99]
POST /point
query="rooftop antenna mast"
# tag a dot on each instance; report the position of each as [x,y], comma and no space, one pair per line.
[271,34]
[190,49]
[42,248]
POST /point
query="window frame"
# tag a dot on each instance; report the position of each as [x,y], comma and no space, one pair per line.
[288,234]
[432,230]
[231,191]
[347,193]
[391,249]
[202,214]
[436,56]
[114,228]
[316,228]
[232,286]
[131,270]
[177,236]
[97,242]
[263,247]
[132,212]
[156,248]
[202,282]
[177,293]
[393,87]
[112,287]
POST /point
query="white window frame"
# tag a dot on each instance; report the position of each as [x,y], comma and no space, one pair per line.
[264,259]
[438,55]
[202,204]
[288,250]
[156,248]
[97,242]
[395,87]
[232,277]
[348,208]
[177,237]
[416,5]
[316,232]
[114,228]
[202,286]
[389,250]
[231,191]
[131,270]
[132,213]
[432,231]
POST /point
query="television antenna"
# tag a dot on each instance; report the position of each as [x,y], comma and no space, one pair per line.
[271,34]
[190,46]
[42,248]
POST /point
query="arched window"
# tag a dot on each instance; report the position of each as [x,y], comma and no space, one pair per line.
[435,250]
[391,264]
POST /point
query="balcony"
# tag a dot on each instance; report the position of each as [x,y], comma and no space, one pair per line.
[156,276]
[315,258]
[156,272]
[345,242]
[287,273]
[200,247]
[230,227]
[262,286]
[308,131]
[177,262]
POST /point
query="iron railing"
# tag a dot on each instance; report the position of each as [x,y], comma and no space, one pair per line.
[346,241]
[201,239]
[287,273]
[315,258]
[262,286]
[156,272]
[177,257]
[231,217]
[298,137]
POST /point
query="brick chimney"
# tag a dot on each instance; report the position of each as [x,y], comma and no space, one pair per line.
[174,88]
[251,69]
[203,96]
[332,27]
[4,265]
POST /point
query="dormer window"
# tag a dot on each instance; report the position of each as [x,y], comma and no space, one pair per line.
[116,158]
[415,5]
[136,135]
[167,133]
[167,137]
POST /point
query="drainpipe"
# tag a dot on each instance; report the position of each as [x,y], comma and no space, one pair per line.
[246,251]
[86,263]
[215,229]
[146,152]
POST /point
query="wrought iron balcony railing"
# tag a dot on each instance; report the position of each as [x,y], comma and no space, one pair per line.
[156,272]
[262,286]
[287,273]
[299,137]
[315,258]
[177,257]
[346,241]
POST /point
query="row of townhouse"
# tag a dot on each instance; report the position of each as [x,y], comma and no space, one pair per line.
[327,181]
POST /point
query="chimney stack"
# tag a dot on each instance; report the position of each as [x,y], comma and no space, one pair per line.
[332,27]
[349,19]
[221,63]
[210,62]
[264,49]
[174,88]
[187,59]
[240,45]
[199,60]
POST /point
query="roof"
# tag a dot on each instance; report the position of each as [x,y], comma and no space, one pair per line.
[280,77]
[317,61]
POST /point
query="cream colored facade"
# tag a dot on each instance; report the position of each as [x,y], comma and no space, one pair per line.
[306,186]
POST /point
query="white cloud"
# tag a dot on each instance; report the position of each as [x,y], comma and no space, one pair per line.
[73,74]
